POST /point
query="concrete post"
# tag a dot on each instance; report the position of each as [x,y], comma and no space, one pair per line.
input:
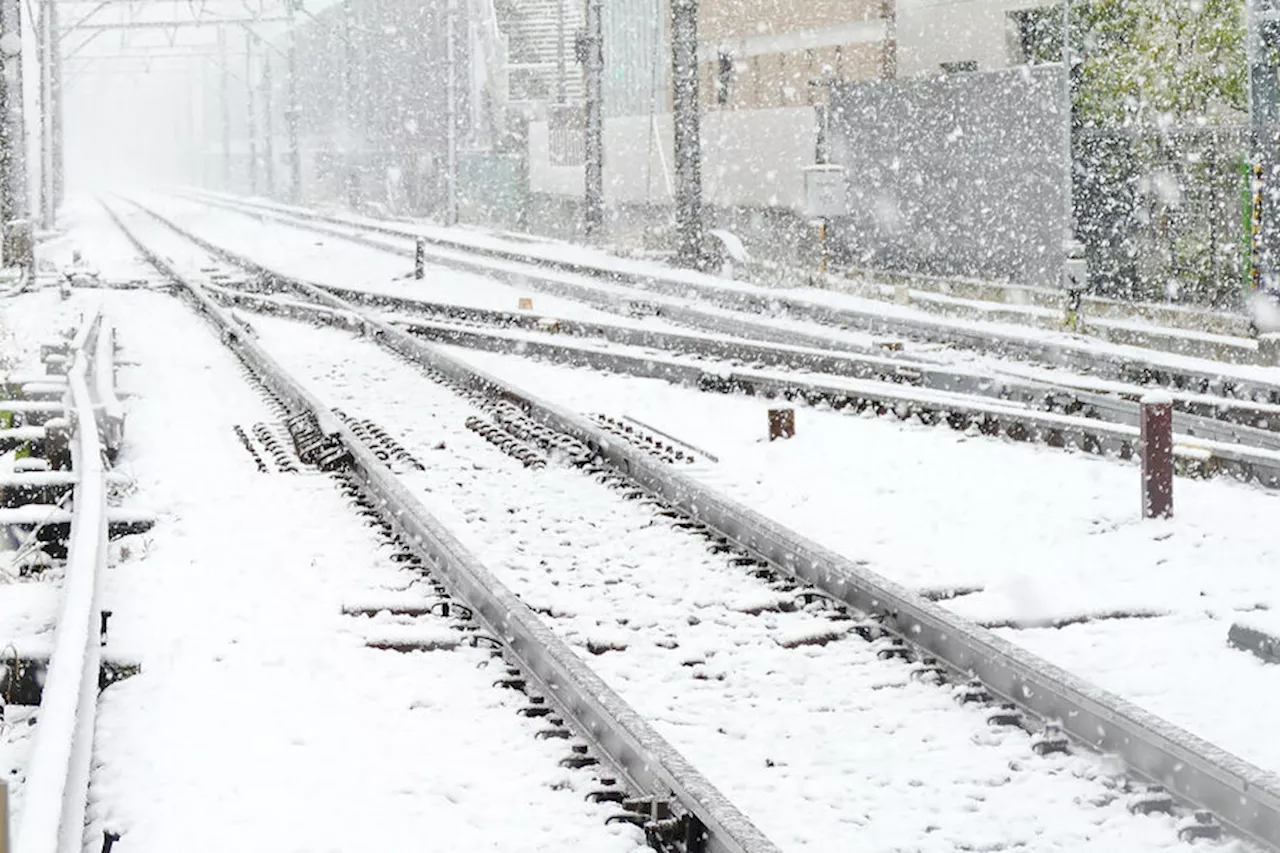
[420,259]
[1156,451]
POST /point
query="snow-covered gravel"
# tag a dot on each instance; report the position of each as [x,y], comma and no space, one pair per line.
[769,725]
[260,718]
[1046,535]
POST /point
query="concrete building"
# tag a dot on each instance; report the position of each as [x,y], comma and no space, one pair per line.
[764,70]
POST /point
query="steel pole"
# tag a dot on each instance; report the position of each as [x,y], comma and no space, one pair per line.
[55,88]
[451,116]
[349,95]
[45,55]
[562,63]
[251,129]
[292,115]
[14,204]
[688,144]
[226,109]
[1067,163]
[268,126]
[593,183]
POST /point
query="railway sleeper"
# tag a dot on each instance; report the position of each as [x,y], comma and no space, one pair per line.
[1153,799]
[664,827]
[22,677]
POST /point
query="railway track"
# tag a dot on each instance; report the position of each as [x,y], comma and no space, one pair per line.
[1024,410]
[1119,355]
[896,623]
[56,505]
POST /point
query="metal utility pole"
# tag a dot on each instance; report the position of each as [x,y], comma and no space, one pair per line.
[349,91]
[1075,267]
[451,115]
[1263,45]
[55,94]
[593,201]
[292,115]
[45,54]
[226,108]
[13,193]
[688,143]
[251,130]
[1066,107]
[593,184]
[268,126]
[562,62]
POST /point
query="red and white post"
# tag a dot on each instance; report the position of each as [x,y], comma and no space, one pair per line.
[1156,449]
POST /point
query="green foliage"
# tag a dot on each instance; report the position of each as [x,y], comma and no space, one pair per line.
[1149,62]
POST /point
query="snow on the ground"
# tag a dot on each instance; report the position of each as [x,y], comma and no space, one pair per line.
[335,261]
[260,719]
[1014,333]
[834,298]
[818,745]
[331,260]
[1046,535]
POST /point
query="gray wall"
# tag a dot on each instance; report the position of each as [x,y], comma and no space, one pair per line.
[955,175]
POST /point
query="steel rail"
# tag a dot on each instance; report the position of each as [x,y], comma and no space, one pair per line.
[618,734]
[882,284]
[1204,418]
[1244,796]
[57,787]
[1196,447]
[1004,343]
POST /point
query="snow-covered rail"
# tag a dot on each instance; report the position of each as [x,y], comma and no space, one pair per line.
[1215,448]
[606,285]
[52,818]
[1202,416]
[686,808]
[1243,796]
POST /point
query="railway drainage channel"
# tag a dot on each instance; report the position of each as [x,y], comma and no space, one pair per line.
[659,790]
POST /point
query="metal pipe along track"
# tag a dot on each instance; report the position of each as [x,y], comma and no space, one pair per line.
[52,819]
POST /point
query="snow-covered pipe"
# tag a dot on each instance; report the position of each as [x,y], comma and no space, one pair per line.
[57,787]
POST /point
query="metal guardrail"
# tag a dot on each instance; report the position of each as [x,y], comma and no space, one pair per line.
[1243,796]
[619,735]
[56,791]
[1081,357]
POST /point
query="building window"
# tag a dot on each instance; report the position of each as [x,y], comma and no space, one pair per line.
[724,76]
[963,67]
